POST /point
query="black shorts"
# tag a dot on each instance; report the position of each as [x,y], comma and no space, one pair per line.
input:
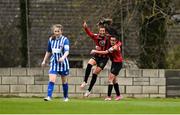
[116,67]
[100,61]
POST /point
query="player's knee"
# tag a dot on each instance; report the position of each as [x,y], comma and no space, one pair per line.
[115,81]
[110,82]
[97,70]
[52,80]
[92,62]
[64,80]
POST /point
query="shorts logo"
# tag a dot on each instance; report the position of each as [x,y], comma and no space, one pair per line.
[102,43]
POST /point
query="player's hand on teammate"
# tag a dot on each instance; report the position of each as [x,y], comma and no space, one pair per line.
[98,48]
[93,52]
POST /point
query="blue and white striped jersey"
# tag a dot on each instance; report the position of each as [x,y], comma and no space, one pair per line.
[58,47]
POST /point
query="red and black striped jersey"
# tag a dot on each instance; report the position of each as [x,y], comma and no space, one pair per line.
[102,42]
[116,55]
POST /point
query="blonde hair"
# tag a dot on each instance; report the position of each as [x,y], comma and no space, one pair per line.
[56,26]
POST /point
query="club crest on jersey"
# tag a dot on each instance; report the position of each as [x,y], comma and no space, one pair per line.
[102,43]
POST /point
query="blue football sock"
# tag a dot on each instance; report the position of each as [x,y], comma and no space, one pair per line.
[50,88]
[65,90]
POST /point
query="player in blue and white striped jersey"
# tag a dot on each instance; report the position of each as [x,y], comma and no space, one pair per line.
[58,49]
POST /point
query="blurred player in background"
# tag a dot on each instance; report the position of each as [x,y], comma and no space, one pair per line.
[58,49]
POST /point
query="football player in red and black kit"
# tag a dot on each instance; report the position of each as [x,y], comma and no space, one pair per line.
[102,41]
[115,56]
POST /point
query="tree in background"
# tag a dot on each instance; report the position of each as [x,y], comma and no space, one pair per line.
[155,15]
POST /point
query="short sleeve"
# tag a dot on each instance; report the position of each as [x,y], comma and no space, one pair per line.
[49,46]
[66,45]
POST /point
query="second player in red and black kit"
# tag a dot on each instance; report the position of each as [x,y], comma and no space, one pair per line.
[115,55]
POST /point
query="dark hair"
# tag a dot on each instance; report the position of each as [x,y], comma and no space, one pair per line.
[102,26]
[115,36]
[107,23]
[104,21]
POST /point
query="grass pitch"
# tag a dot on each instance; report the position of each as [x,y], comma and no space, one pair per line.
[89,106]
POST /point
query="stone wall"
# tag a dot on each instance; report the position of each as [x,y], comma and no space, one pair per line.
[27,82]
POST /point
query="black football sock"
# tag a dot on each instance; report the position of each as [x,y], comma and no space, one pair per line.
[87,72]
[110,87]
[93,80]
[116,87]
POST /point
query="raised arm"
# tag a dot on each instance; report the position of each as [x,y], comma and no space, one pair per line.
[87,30]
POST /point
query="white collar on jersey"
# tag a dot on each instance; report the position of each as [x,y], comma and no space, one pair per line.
[59,37]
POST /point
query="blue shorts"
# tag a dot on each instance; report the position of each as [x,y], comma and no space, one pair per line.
[63,73]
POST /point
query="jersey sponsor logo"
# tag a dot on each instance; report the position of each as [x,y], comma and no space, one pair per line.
[56,50]
[102,43]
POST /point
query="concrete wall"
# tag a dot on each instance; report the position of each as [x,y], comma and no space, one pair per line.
[33,82]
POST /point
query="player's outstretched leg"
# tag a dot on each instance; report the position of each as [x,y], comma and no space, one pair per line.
[87,73]
[93,81]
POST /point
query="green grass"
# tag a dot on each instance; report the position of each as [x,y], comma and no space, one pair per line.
[89,105]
